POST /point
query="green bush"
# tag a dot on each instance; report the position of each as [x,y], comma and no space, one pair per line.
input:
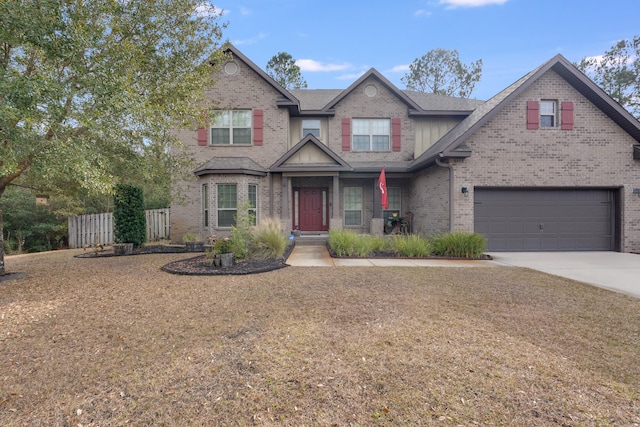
[348,243]
[411,245]
[129,221]
[459,244]
[269,240]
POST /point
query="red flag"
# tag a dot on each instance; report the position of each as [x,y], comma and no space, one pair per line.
[382,184]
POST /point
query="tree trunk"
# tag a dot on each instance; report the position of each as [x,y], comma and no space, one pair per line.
[1,244]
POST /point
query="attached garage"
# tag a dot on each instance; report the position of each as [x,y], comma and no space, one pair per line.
[546,220]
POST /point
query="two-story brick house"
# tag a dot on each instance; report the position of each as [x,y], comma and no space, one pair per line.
[549,163]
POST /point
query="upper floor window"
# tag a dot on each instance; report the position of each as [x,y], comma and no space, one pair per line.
[311,126]
[371,134]
[548,113]
[231,128]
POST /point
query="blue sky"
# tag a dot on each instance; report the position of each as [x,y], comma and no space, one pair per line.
[334,42]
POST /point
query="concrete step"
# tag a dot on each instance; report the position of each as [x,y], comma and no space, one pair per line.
[312,239]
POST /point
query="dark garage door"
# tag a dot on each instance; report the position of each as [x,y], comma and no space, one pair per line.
[545,220]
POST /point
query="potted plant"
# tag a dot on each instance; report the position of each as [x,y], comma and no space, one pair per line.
[192,243]
[221,253]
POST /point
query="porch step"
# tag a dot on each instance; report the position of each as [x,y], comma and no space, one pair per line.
[305,239]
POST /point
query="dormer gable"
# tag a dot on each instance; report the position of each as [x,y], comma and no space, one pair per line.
[374,74]
[310,155]
[285,99]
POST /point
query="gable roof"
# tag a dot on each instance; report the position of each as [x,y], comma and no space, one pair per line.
[452,144]
[285,98]
[230,165]
[334,162]
[373,73]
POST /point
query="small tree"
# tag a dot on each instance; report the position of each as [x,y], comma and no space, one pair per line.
[282,67]
[441,71]
[617,72]
[129,221]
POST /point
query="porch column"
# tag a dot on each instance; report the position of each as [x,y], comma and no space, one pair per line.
[377,200]
[284,198]
[335,211]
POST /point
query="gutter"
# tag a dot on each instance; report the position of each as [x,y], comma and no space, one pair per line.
[450,167]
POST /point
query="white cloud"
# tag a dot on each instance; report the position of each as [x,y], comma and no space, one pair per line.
[252,40]
[312,65]
[245,11]
[206,9]
[399,68]
[471,3]
[422,12]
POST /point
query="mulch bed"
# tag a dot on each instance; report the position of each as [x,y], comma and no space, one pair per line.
[199,265]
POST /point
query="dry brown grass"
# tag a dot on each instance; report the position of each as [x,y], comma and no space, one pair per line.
[115,341]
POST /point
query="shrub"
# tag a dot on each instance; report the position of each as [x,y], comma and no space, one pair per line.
[341,241]
[348,243]
[459,244]
[411,245]
[129,221]
[269,240]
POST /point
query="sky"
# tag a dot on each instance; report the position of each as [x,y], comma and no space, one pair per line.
[336,41]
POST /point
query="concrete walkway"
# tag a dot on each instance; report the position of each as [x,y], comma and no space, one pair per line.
[616,271]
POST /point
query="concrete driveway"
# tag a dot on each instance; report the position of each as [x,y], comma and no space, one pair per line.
[619,272]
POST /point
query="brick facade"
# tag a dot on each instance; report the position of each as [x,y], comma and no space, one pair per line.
[595,152]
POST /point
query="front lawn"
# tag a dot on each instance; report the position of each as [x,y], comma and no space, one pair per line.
[116,341]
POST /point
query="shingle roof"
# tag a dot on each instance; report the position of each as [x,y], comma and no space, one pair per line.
[242,165]
[452,144]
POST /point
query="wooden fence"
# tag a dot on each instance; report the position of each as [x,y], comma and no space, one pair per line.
[88,230]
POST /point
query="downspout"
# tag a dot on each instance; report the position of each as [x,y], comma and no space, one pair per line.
[448,166]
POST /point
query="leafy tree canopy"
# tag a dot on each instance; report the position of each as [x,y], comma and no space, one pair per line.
[283,69]
[441,71]
[90,89]
[617,72]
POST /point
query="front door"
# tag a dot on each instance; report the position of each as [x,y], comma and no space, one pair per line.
[310,209]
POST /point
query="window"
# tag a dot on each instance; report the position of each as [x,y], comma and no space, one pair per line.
[311,127]
[371,134]
[394,197]
[253,203]
[547,114]
[227,205]
[231,128]
[205,205]
[352,206]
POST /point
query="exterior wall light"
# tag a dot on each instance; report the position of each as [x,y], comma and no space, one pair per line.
[465,190]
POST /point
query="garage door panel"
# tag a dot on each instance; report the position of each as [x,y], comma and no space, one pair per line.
[545,220]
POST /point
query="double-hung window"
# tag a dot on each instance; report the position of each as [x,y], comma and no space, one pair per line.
[548,111]
[311,126]
[232,127]
[394,198]
[371,134]
[227,205]
[205,205]
[353,206]
[253,203]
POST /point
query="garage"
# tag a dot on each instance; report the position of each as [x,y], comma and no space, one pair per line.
[546,220]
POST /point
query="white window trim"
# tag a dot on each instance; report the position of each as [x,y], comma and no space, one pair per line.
[218,208]
[344,210]
[554,114]
[371,135]
[230,127]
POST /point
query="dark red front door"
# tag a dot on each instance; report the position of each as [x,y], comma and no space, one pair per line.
[312,209]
